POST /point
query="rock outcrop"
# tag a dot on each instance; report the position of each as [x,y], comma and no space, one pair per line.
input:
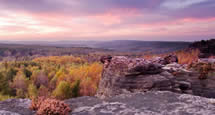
[125,75]
[149,103]
[122,74]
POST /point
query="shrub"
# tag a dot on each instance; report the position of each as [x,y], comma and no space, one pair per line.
[36,102]
[49,107]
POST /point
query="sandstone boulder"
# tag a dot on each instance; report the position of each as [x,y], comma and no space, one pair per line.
[123,75]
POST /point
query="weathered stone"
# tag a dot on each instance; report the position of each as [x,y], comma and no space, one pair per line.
[170,59]
[150,103]
[175,67]
[15,107]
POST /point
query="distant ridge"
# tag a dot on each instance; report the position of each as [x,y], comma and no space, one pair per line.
[116,45]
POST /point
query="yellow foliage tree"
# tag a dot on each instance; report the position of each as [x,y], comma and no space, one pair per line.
[32,91]
[63,90]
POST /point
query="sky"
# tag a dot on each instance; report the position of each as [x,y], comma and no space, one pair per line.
[149,20]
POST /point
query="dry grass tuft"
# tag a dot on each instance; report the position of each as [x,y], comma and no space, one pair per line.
[187,56]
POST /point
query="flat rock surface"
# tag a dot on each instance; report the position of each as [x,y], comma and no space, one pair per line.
[150,103]
[15,107]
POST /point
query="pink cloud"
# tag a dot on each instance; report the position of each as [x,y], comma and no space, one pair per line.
[112,24]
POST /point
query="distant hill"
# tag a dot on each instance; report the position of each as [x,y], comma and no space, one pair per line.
[26,51]
[143,46]
[116,45]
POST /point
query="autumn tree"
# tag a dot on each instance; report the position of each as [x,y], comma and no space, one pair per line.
[32,91]
[40,78]
[63,90]
[20,83]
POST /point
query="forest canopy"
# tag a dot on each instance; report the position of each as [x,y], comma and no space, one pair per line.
[60,77]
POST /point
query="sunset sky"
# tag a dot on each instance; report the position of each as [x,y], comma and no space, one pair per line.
[175,20]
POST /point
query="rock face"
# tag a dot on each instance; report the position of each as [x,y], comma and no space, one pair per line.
[125,75]
[149,103]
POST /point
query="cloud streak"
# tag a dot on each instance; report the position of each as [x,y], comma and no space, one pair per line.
[107,19]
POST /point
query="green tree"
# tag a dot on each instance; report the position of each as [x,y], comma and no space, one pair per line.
[4,86]
[76,89]
[27,73]
[11,73]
